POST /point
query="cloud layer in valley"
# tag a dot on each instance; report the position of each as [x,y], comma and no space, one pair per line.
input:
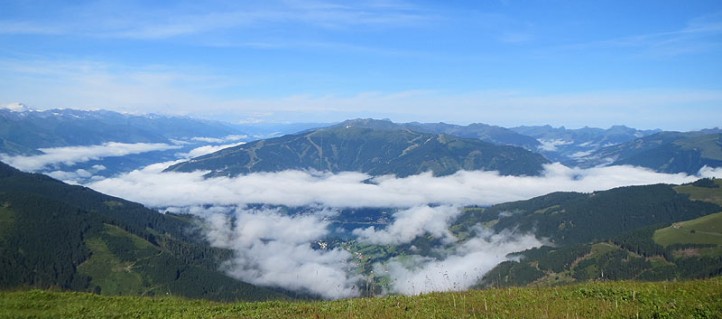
[153,187]
[411,223]
[273,249]
[70,155]
[460,269]
[207,149]
[277,249]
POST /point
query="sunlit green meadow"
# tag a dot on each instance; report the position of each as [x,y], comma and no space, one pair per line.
[688,299]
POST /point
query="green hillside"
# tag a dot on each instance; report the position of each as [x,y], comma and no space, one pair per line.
[706,230]
[702,231]
[369,146]
[686,299]
[572,218]
[654,232]
[57,236]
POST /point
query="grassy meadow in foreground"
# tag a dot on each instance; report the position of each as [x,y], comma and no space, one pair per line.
[688,299]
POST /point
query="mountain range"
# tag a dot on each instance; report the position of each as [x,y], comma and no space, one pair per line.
[567,146]
[66,237]
[25,132]
[58,236]
[375,147]
[668,152]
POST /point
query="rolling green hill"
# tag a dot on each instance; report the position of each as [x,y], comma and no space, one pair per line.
[654,232]
[369,146]
[54,235]
[704,232]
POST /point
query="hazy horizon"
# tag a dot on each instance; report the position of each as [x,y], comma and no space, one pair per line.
[643,64]
[311,122]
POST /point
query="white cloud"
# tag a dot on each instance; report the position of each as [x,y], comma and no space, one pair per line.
[70,155]
[273,249]
[194,90]
[229,138]
[460,270]
[14,107]
[207,149]
[551,145]
[710,172]
[127,20]
[411,223]
[699,35]
[78,176]
[155,188]
[583,154]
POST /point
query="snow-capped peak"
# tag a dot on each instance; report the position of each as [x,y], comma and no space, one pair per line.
[15,107]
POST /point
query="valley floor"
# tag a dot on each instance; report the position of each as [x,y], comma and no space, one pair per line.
[686,299]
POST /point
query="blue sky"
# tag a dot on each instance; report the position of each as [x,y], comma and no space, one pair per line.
[646,64]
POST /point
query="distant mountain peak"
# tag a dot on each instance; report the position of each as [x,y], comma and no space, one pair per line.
[15,107]
[383,124]
[375,147]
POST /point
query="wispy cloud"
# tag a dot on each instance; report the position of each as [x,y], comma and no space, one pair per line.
[27,27]
[411,223]
[77,154]
[643,108]
[273,249]
[127,20]
[92,84]
[701,34]
[207,149]
[460,268]
[193,90]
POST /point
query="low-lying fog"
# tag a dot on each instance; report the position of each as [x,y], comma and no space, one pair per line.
[277,249]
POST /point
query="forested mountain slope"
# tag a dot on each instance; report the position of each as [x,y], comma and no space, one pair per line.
[53,235]
[654,232]
[370,146]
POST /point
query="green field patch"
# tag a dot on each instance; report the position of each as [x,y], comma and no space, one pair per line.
[112,265]
[599,249]
[712,195]
[704,230]
[130,241]
[109,275]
